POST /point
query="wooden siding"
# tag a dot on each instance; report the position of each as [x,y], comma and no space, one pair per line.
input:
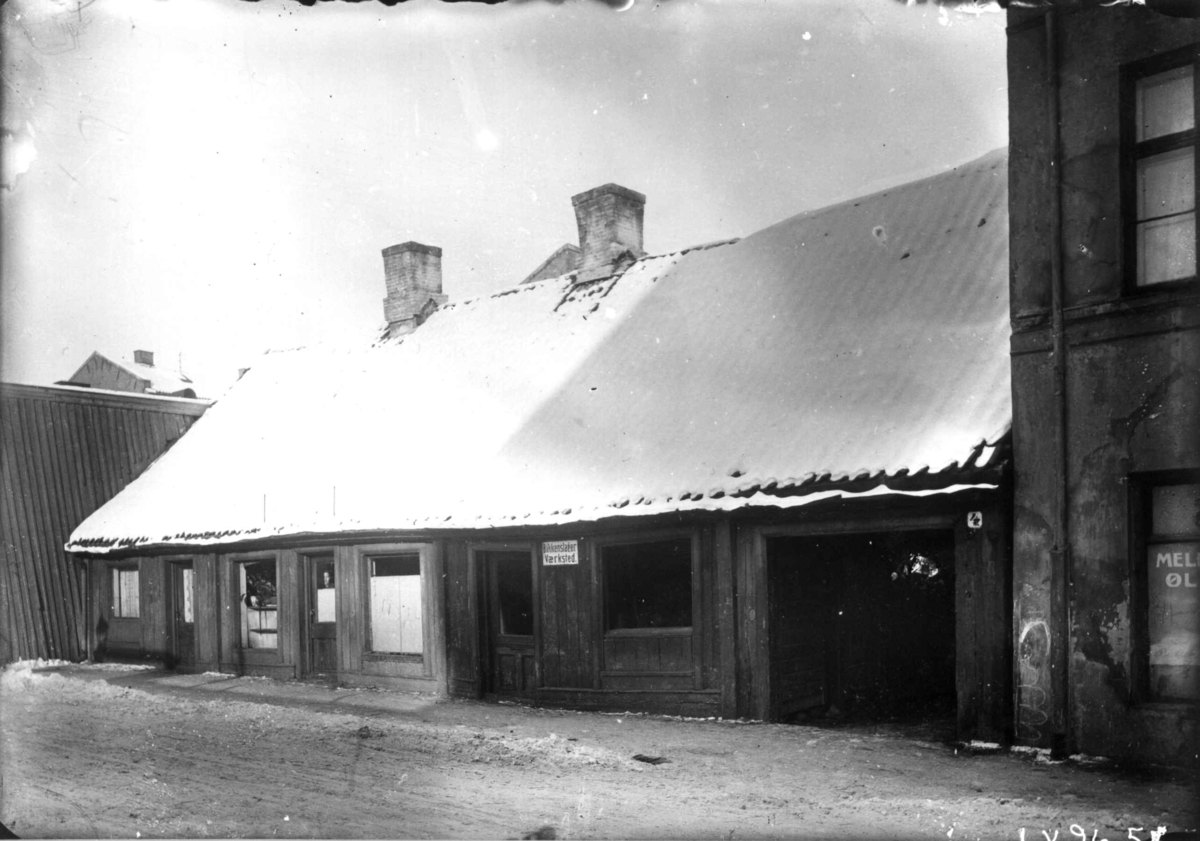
[566,622]
[65,452]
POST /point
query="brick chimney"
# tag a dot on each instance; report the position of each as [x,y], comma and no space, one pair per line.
[413,273]
[610,227]
[144,357]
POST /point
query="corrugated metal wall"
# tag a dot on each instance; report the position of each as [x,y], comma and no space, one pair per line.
[64,452]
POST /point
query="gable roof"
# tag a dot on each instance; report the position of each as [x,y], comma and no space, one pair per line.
[155,380]
[842,350]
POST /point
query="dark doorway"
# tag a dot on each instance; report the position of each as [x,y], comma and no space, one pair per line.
[509,597]
[322,615]
[183,614]
[862,625]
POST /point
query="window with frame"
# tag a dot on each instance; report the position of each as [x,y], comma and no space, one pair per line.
[258,582]
[396,615]
[126,598]
[1171,623]
[647,585]
[1160,169]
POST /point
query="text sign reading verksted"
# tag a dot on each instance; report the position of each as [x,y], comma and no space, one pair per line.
[560,553]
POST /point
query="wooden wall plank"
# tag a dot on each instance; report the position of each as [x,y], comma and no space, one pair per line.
[551,640]
[995,621]
[63,444]
[461,664]
[573,666]
[290,599]
[726,615]
[589,623]
[152,575]
[16,546]
[352,596]
[436,603]
[65,452]
[52,518]
[966,585]
[207,614]
[31,564]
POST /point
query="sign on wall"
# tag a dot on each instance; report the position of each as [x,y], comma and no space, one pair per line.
[1174,586]
[560,553]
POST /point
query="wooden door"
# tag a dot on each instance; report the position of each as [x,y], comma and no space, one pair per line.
[183,609]
[322,616]
[802,634]
[510,654]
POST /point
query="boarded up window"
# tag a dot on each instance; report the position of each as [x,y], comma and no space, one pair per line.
[1173,585]
[126,600]
[648,585]
[396,617]
[259,605]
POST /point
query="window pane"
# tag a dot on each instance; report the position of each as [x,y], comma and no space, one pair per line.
[648,585]
[396,604]
[326,591]
[514,592]
[260,627]
[1165,104]
[189,580]
[1166,249]
[1166,184]
[1174,626]
[1176,509]
[126,601]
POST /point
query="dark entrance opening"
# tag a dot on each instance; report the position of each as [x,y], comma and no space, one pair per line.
[862,626]
[510,631]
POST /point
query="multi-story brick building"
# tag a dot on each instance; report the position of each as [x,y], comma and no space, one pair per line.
[1106,377]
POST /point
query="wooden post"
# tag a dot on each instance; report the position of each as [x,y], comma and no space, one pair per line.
[726,618]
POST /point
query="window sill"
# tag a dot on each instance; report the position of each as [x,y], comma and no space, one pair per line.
[1172,707]
[649,632]
[386,657]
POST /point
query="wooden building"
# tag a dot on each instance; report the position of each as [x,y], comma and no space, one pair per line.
[754,478]
[65,452]
[1104,358]
[138,375]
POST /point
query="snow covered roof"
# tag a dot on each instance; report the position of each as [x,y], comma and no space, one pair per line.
[839,352]
[155,380]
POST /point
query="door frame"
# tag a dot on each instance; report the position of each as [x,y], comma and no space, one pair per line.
[307,559]
[476,561]
[873,523]
[173,566]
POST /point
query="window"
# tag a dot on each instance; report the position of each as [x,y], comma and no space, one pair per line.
[1160,169]
[396,616]
[1171,626]
[126,600]
[323,570]
[514,592]
[188,584]
[648,585]
[259,603]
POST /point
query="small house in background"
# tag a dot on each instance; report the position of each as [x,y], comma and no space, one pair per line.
[765,477]
[138,375]
[64,452]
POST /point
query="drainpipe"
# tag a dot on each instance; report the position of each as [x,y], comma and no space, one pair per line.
[89,628]
[1060,576]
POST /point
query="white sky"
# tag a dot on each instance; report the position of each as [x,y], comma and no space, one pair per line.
[215,177]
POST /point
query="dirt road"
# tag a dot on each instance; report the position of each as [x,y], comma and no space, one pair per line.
[89,751]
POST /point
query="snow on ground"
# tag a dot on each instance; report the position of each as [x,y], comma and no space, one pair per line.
[92,752]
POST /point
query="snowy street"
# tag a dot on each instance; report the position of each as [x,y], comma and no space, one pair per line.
[105,752]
